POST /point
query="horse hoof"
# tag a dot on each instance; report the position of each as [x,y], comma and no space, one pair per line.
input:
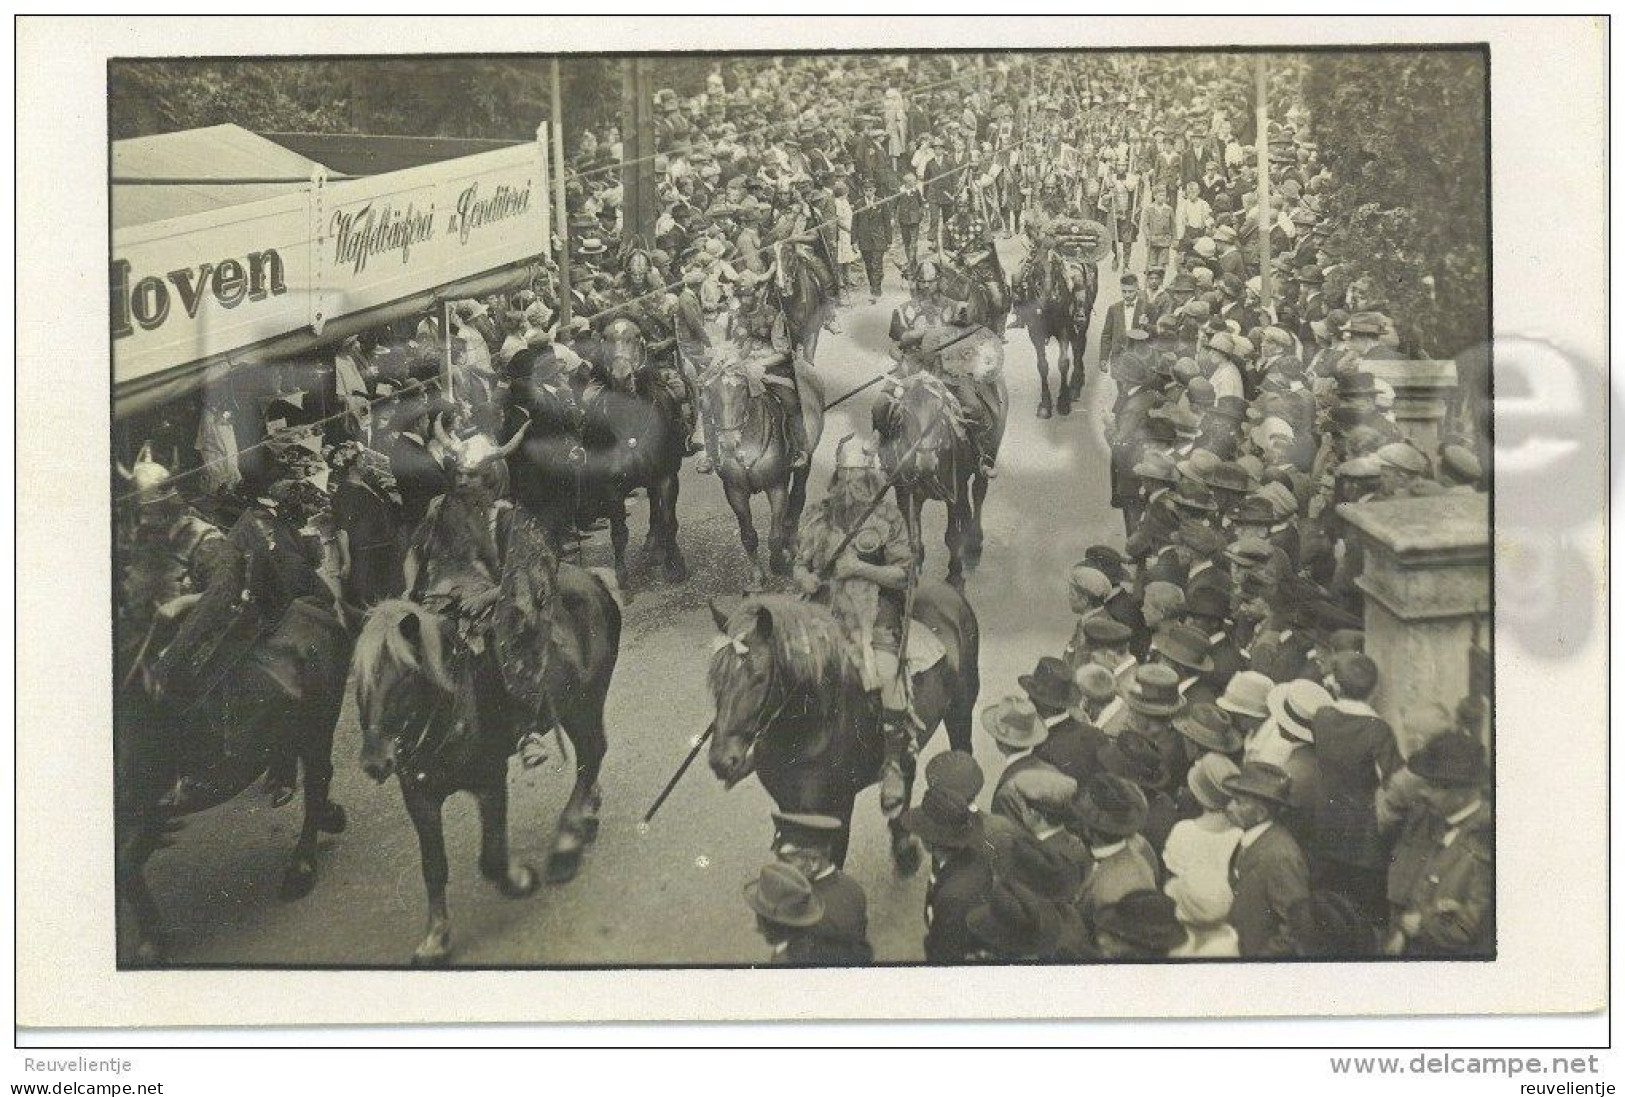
[563,865]
[298,881]
[518,882]
[1064,405]
[1044,411]
[906,858]
[437,954]
[588,829]
[332,820]
[676,571]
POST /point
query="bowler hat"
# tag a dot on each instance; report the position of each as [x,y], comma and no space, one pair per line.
[1185,645]
[943,818]
[1261,781]
[1014,722]
[1015,922]
[1153,691]
[1366,323]
[781,894]
[1196,497]
[1095,681]
[1356,383]
[1255,510]
[1112,805]
[1198,465]
[1355,673]
[1247,694]
[957,772]
[1450,760]
[1207,726]
[1050,684]
[1135,757]
[1144,918]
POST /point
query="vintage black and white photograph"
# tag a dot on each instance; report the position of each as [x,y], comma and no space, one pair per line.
[802,508]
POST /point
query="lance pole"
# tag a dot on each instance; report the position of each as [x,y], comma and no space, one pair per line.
[561,232]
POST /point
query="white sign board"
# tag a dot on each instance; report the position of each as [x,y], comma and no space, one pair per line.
[194,287]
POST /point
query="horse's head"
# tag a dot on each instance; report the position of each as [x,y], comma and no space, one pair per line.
[780,670]
[742,685]
[401,681]
[728,391]
[923,420]
[625,351]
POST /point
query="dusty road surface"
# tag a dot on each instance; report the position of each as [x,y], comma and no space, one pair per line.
[668,894]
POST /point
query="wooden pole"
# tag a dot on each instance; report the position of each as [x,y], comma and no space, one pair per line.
[1265,277]
[445,351]
[561,230]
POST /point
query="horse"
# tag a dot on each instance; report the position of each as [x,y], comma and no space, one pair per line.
[980,288]
[438,718]
[633,438]
[1066,306]
[802,298]
[749,429]
[927,454]
[791,706]
[159,741]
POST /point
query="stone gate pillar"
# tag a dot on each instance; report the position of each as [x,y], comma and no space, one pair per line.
[1423,389]
[1426,580]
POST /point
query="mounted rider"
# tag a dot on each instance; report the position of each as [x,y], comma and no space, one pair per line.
[853,555]
[758,339]
[974,254]
[256,644]
[969,358]
[923,309]
[489,566]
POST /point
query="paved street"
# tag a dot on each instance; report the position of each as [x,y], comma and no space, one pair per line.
[669,894]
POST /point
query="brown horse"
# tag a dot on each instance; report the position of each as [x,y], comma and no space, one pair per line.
[802,297]
[791,706]
[1066,305]
[749,436]
[441,719]
[981,288]
[928,454]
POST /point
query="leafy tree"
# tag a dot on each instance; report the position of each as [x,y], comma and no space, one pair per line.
[1404,136]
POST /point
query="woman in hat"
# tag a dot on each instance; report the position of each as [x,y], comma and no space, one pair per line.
[1202,905]
[1201,844]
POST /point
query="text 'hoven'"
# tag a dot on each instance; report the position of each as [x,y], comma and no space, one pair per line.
[356,236]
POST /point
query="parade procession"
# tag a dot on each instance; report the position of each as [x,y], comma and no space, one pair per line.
[823,509]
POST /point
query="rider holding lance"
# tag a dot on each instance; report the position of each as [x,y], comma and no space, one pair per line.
[854,556]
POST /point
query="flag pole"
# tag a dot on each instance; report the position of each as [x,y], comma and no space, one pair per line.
[1265,275]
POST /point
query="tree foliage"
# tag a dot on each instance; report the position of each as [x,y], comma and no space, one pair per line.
[1404,136]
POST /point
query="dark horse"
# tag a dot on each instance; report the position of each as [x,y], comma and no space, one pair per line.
[632,438]
[928,454]
[981,288]
[434,716]
[1067,291]
[751,455]
[791,706]
[802,298]
[157,742]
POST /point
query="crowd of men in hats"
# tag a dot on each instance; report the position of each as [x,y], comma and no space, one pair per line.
[1199,771]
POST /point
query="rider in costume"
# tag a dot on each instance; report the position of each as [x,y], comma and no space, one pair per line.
[865,587]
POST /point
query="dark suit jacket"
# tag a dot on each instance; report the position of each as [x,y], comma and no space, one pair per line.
[1268,877]
[418,477]
[1356,751]
[871,229]
[1119,322]
[957,888]
[845,925]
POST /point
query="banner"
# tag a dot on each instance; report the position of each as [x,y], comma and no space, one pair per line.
[196,287]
